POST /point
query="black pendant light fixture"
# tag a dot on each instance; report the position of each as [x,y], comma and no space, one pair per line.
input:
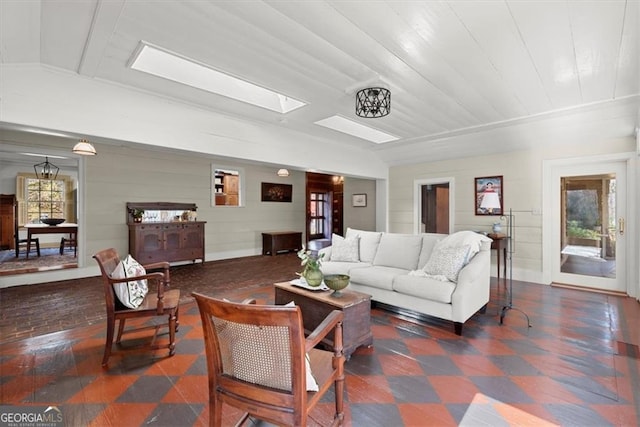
[373,102]
[46,170]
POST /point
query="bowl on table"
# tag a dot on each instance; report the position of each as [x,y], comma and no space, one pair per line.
[52,221]
[337,282]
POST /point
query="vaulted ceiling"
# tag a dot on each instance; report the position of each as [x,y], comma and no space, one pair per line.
[466,77]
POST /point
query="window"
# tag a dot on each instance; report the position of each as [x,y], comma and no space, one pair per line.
[227,186]
[318,206]
[44,198]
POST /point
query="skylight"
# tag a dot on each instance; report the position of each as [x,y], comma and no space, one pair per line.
[356,129]
[161,63]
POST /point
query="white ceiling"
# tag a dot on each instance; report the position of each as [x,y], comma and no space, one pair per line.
[466,77]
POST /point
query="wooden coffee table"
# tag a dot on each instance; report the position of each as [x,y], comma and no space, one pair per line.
[316,305]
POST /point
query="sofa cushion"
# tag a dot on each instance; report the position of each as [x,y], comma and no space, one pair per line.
[429,241]
[399,251]
[368,242]
[375,276]
[346,250]
[424,288]
[447,261]
[340,267]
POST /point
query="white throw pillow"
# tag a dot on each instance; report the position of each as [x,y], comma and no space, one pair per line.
[132,293]
[369,241]
[465,238]
[346,250]
[312,385]
[447,261]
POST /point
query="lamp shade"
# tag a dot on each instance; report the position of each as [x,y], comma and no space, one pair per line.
[283,172]
[373,102]
[84,148]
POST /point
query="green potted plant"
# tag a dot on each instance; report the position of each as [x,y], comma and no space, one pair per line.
[311,263]
[137,215]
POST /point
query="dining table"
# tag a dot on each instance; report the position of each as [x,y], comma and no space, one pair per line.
[65,228]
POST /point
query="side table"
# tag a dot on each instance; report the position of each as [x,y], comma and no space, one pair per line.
[499,244]
[316,305]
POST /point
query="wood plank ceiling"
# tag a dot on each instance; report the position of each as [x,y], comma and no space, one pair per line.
[466,77]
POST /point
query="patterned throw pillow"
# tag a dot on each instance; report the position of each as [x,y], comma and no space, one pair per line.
[447,261]
[346,250]
[132,293]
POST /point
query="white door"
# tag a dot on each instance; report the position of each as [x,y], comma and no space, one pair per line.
[588,225]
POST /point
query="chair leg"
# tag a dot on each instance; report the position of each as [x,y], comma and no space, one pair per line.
[38,246]
[120,330]
[61,246]
[109,342]
[173,324]
[340,400]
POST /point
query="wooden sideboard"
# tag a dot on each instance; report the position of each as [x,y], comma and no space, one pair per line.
[165,241]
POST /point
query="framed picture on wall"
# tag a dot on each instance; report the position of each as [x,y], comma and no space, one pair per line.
[276,192]
[359,200]
[488,195]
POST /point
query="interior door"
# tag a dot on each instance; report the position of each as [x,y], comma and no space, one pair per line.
[433,209]
[589,237]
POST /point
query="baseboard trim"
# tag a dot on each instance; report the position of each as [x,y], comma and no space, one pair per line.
[587,289]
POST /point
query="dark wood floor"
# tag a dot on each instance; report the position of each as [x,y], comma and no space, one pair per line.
[578,364]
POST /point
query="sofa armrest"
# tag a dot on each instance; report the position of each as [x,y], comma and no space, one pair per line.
[327,253]
[473,288]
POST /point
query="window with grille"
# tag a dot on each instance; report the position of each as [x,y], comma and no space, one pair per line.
[44,198]
[318,206]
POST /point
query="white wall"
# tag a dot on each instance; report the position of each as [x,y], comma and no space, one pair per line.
[522,179]
[361,218]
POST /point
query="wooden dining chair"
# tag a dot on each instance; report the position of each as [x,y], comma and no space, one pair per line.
[258,359]
[162,302]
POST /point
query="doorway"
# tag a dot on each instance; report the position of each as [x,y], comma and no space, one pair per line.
[324,202]
[433,206]
[587,225]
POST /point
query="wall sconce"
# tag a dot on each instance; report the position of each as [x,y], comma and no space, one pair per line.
[283,172]
[84,148]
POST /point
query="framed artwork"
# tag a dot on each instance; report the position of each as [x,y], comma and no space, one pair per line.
[488,195]
[359,200]
[276,192]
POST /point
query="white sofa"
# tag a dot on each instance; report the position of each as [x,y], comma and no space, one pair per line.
[446,276]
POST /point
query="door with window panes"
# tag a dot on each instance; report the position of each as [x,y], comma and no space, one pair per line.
[319,209]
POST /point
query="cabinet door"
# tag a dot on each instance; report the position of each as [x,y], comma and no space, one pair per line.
[193,241]
[172,236]
[148,243]
[231,184]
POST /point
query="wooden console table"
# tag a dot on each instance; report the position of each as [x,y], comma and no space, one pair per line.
[276,241]
[316,305]
[499,244]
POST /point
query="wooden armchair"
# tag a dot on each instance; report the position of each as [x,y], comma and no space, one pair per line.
[163,302]
[256,361]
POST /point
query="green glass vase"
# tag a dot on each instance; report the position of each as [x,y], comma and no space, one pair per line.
[313,277]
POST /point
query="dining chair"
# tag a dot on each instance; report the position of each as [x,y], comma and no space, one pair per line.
[259,361]
[162,302]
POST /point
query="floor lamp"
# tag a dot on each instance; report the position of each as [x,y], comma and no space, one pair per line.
[510,250]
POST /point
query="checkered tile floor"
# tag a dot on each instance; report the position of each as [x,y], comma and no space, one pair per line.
[577,365]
